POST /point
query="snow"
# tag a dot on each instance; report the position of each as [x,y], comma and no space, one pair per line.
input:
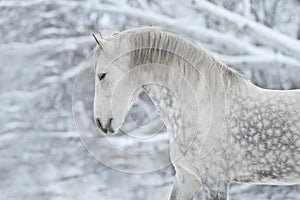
[45,46]
[257,31]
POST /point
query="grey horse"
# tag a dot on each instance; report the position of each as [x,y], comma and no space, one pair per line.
[222,128]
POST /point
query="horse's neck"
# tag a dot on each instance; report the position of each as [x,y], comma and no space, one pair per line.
[166,104]
[197,112]
[179,106]
[188,119]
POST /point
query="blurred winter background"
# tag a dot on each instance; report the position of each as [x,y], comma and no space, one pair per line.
[45,42]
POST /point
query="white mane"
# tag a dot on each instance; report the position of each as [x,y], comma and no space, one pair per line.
[153,45]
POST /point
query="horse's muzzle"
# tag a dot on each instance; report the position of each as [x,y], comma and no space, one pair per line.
[107,128]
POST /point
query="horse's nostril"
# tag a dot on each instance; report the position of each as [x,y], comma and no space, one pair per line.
[107,128]
[99,125]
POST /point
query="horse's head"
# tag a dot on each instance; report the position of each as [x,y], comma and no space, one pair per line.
[113,87]
[126,61]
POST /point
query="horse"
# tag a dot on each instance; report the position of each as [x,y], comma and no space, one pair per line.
[222,128]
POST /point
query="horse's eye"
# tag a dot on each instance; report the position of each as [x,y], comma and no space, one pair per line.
[101,76]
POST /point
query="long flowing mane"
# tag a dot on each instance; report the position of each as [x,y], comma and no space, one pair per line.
[154,45]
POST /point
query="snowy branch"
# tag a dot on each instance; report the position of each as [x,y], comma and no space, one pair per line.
[46,44]
[260,61]
[259,32]
[231,44]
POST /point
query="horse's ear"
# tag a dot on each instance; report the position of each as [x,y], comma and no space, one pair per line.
[97,41]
